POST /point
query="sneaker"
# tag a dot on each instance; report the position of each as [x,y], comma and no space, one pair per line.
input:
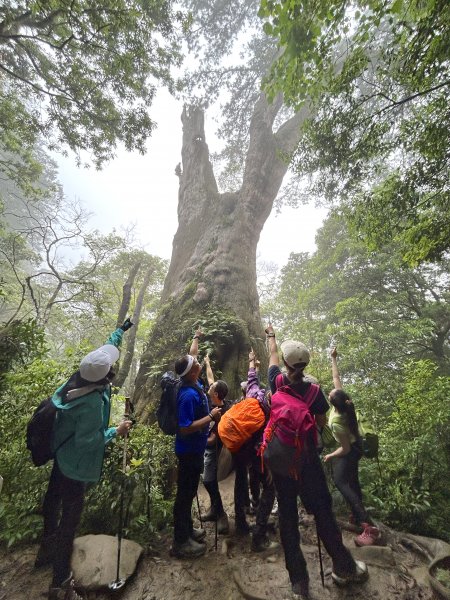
[369,537]
[223,527]
[359,576]
[190,549]
[66,591]
[46,552]
[300,590]
[198,534]
[264,545]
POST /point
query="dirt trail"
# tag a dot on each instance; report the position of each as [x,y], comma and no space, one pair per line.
[397,571]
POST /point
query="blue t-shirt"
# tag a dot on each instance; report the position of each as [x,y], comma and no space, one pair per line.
[192,406]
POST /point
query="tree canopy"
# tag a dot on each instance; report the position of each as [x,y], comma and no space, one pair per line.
[376,77]
[81,75]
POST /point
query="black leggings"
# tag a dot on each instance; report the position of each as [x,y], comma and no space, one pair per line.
[312,489]
[66,495]
[345,477]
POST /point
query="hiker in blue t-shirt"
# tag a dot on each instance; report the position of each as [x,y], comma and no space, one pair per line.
[80,434]
[194,418]
[310,485]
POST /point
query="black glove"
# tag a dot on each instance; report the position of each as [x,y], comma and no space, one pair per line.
[127,324]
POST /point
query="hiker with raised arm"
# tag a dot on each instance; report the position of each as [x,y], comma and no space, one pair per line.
[260,539]
[300,473]
[217,393]
[194,418]
[80,433]
[345,459]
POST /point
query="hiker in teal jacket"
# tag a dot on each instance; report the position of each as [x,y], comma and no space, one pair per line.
[81,432]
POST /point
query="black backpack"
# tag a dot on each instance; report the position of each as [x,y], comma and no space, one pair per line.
[40,433]
[167,411]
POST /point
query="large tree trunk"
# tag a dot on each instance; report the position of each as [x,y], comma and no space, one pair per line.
[212,274]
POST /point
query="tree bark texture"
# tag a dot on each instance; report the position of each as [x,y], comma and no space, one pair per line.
[212,274]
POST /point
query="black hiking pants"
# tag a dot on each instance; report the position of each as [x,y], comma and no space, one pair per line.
[63,504]
[311,487]
[245,457]
[190,467]
[346,479]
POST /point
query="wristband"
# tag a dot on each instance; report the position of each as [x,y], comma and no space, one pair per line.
[270,334]
[196,337]
[211,417]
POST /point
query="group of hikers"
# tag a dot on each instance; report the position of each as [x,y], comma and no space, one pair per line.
[81,431]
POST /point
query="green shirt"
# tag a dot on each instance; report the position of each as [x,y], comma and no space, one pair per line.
[339,425]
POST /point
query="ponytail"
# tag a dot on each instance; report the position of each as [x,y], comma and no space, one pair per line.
[344,405]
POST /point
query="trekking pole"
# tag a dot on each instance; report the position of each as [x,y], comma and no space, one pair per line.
[320,557]
[119,583]
[199,513]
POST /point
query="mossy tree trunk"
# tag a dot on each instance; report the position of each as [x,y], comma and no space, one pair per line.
[212,274]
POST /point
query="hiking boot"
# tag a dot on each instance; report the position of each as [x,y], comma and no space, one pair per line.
[242,528]
[211,515]
[190,549]
[198,534]
[46,552]
[65,592]
[360,575]
[223,526]
[264,545]
[369,537]
[300,590]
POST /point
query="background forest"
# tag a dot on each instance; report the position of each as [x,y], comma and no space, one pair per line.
[343,103]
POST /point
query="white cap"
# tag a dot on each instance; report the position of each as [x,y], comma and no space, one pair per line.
[96,364]
[294,353]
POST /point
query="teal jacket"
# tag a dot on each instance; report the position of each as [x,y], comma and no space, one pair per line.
[82,430]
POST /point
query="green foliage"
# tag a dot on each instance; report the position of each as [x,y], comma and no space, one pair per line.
[147,496]
[150,458]
[375,77]
[20,342]
[81,75]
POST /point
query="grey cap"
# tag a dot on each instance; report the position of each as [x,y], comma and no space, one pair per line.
[294,353]
[96,365]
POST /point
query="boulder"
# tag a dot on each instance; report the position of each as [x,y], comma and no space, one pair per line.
[94,560]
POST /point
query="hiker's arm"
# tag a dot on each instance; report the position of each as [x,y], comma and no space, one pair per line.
[334,369]
[252,377]
[273,350]
[116,337]
[214,415]
[343,449]
[209,373]
[193,351]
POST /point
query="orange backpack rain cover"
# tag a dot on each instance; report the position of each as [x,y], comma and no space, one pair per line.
[240,422]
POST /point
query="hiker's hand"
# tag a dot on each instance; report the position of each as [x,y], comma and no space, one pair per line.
[327,457]
[206,359]
[123,428]
[251,355]
[198,334]
[269,329]
[215,413]
[127,324]
[334,352]
[257,364]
